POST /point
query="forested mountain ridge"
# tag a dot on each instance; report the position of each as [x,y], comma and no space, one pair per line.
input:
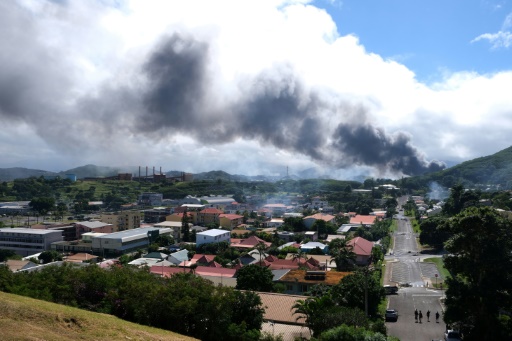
[492,170]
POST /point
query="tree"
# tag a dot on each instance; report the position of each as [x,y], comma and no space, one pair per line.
[185,231]
[321,313]
[261,248]
[342,254]
[460,199]
[432,232]
[7,254]
[254,277]
[480,264]
[352,333]
[50,256]
[42,204]
[354,288]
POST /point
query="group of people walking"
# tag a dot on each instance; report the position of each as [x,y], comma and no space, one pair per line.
[418,316]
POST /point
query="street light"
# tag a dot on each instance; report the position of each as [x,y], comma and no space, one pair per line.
[366,271]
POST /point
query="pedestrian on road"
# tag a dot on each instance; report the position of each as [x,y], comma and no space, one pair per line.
[428,315]
[420,316]
[416,315]
[437,317]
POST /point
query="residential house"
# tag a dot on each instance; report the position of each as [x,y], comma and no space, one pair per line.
[286,236]
[178,257]
[230,221]
[208,216]
[212,236]
[274,263]
[279,317]
[308,247]
[363,250]
[217,275]
[18,265]
[81,258]
[123,220]
[175,226]
[178,217]
[275,222]
[310,220]
[364,220]
[311,235]
[248,243]
[301,281]
[323,261]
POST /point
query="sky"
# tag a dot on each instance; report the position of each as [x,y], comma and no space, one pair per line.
[344,89]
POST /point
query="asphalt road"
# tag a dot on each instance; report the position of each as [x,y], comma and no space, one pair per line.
[405,266]
[409,299]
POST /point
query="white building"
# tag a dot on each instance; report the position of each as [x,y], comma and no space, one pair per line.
[212,236]
[119,243]
[25,241]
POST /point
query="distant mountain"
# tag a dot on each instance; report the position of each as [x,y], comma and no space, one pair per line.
[97,171]
[9,174]
[492,169]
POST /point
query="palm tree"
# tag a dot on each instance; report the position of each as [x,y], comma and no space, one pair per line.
[261,248]
[299,255]
[342,254]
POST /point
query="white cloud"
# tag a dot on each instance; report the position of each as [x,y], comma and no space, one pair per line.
[99,53]
[500,39]
[497,40]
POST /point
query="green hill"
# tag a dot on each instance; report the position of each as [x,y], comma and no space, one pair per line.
[492,169]
[23,318]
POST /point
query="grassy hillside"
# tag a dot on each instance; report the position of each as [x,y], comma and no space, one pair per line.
[492,169]
[23,318]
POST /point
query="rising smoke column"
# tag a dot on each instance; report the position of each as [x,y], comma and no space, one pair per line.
[274,109]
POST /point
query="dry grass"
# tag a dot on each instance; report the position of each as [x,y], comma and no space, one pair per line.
[23,318]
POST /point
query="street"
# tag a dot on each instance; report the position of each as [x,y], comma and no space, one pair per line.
[404,267]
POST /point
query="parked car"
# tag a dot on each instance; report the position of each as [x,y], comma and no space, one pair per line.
[452,335]
[391,315]
[391,289]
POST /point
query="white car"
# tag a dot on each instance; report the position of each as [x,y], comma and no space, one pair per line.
[452,335]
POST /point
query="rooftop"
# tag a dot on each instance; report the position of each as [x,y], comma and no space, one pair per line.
[143,231]
[212,232]
[331,277]
[29,231]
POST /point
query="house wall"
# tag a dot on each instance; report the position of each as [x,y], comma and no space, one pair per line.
[207,239]
[125,220]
